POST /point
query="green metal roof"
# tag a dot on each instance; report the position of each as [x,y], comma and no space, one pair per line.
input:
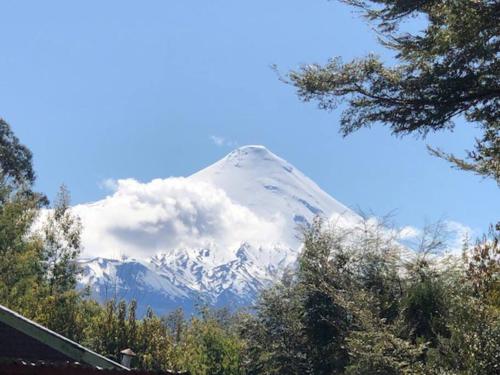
[56,341]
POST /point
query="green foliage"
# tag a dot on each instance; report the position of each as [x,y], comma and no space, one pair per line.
[448,69]
[15,158]
[153,343]
[322,279]
[378,351]
[61,304]
[423,309]
[357,302]
[61,245]
[424,305]
[20,269]
[274,335]
[209,346]
[37,268]
[473,343]
[473,346]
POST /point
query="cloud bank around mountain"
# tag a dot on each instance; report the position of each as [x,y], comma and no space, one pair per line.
[453,233]
[140,220]
[143,219]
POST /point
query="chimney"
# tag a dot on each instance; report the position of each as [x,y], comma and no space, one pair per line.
[127,355]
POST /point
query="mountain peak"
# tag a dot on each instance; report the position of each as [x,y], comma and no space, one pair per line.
[219,234]
[254,177]
[253,148]
[245,164]
[253,153]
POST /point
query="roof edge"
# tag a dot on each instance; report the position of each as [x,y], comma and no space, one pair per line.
[56,341]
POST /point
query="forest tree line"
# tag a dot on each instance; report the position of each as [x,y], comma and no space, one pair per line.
[357,302]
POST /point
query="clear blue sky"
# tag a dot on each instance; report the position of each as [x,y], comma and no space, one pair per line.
[115,89]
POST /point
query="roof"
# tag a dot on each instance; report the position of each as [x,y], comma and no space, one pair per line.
[27,368]
[55,341]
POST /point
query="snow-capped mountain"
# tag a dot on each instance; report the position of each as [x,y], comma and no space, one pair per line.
[217,236]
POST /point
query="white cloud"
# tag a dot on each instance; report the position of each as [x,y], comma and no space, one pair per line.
[108,184]
[408,233]
[452,233]
[458,233]
[222,141]
[143,219]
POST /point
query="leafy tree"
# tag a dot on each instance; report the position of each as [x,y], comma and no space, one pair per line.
[102,334]
[376,265]
[449,69]
[275,343]
[323,276]
[61,304]
[20,270]
[424,310]
[376,350]
[305,324]
[483,268]
[424,306]
[15,158]
[357,303]
[473,343]
[37,270]
[154,345]
[62,246]
[132,326]
[175,323]
[209,349]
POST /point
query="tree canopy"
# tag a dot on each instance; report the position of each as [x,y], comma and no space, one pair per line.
[449,69]
[15,158]
[356,303]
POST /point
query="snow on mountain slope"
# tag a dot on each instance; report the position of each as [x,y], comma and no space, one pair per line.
[271,187]
[217,236]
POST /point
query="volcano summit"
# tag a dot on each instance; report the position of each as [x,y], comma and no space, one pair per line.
[217,236]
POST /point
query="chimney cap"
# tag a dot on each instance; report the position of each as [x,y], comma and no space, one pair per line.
[128,352]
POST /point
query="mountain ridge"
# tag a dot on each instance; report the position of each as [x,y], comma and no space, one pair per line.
[218,236]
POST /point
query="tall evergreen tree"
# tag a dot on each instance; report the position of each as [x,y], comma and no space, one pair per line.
[449,69]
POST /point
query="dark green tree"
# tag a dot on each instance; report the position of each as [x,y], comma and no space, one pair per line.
[210,347]
[323,276]
[473,343]
[176,324]
[102,333]
[425,303]
[20,268]
[449,69]
[15,158]
[274,335]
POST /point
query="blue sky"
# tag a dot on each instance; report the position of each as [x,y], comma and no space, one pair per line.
[116,89]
